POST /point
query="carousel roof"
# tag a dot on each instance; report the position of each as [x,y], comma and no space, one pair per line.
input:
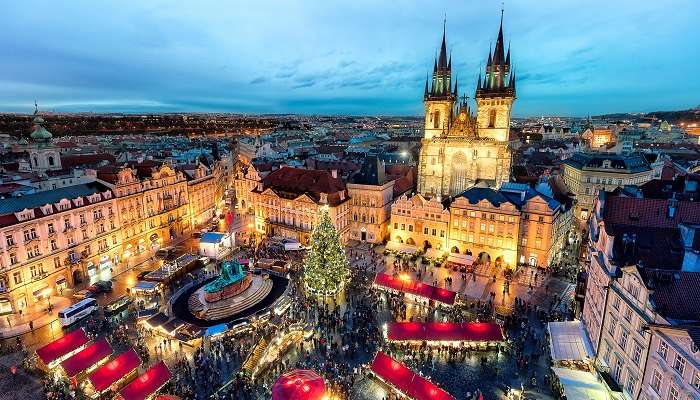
[299,384]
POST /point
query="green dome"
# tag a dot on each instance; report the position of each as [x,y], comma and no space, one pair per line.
[40,133]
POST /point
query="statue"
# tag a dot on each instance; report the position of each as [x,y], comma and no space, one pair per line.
[231,272]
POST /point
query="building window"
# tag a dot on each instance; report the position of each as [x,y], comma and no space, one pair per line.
[54,246]
[656,381]
[492,118]
[57,262]
[663,349]
[410,228]
[673,393]
[396,225]
[425,231]
[631,383]
[611,327]
[403,227]
[17,277]
[434,232]
[636,354]
[628,314]
[616,303]
[13,258]
[9,240]
[679,364]
[623,338]
[696,380]
[617,371]
[442,234]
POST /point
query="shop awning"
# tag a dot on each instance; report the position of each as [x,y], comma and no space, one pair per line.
[146,384]
[402,247]
[57,349]
[107,375]
[405,380]
[433,253]
[568,341]
[463,259]
[145,286]
[157,320]
[417,288]
[87,357]
[580,385]
[40,290]
[445,331]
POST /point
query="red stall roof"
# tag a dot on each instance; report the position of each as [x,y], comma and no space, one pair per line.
[105,376]
[407,381]
[416,288]
[87,357]
[299,384]
[60,347]
[147,383]
[445,331]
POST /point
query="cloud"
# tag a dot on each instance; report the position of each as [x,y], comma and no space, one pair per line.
[260,79]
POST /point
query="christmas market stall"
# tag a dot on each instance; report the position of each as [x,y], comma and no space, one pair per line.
[113,374]
[479,335]
[405,381]
[60,349]
[299,384]
[83,362]
[405,284]
[146,385]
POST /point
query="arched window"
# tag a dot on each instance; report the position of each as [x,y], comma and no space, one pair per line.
[51,161]
[492,118]
[36,162]
[436,120]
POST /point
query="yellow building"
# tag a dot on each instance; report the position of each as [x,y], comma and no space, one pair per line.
[459,150]
[371,192]
[288,201]
[152,205]
[204,193]
[585,174]
[419,222]
[54,239]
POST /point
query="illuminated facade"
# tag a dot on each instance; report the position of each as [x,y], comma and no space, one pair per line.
[459,150]
[54,239]
[288,201]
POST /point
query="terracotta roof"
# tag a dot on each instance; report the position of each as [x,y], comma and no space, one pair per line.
[676,297]
[292,182]
[86,159]
[648,212]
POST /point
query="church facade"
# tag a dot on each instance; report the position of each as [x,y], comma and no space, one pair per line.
[459,150]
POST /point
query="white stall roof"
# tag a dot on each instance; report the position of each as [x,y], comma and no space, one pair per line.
[581,385]
[568,341]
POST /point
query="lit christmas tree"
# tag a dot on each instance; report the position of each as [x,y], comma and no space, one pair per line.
[325,267]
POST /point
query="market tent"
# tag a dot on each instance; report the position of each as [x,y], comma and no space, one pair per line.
[402,248]
[60,349]
[433,253]
[110,373]
[580,385]
[417,288]
[568,341]
[146,384]
[86,358]
[445,331]
[299,384]
[406,381]
[463,259]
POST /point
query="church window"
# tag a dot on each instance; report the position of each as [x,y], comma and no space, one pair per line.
[492,118]
[51,161]
[436,120]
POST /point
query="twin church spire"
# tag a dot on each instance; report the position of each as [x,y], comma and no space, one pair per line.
[498,78]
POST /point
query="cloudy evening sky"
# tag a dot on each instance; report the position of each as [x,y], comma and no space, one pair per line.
[572,57]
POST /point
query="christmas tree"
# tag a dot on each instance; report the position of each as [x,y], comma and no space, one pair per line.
[325,267]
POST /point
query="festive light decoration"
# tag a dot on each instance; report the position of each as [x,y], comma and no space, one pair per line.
[325,267]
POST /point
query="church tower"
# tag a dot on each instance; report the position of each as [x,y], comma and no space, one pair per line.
[496,93]
[438,97]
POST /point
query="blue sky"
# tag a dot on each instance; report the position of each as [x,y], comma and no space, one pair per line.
[572,57]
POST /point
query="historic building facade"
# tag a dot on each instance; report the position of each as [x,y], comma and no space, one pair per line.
[54,239]
[287,203]
[459,150]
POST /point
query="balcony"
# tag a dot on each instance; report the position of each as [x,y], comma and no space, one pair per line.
[98,217]
[83,224]
[52,233]
[73,258]
[68,228]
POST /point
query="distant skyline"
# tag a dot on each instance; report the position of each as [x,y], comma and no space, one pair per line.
[572,58]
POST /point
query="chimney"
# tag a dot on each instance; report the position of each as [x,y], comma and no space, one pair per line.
[672,205]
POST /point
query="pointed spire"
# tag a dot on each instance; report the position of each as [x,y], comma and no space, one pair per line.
[426,85]
[456,90]
[442,59]
[488,63]
[478,81]
[435,65]
[508,55]
[498,52]
[36,108]
[449,62]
